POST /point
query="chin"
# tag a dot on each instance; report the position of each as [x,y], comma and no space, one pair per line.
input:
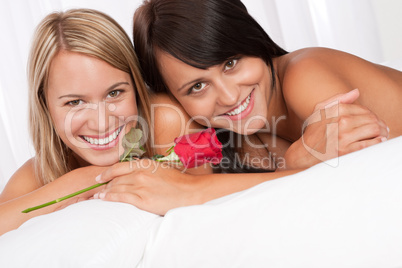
[251,129]
[248,132]
[103,160]
[255,127]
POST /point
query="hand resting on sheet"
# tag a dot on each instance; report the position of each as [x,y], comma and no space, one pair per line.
[346,214]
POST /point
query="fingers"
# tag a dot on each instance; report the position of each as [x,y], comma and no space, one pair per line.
[350,116]
[334,111]
[362,127]
[137,196]
[346,98]
[119,169]
[349,97]
[119,193]
[356,146]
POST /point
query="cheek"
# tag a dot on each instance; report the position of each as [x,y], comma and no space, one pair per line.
[194,108]
[67,124]
[126,112]
[58,119]
[255,73]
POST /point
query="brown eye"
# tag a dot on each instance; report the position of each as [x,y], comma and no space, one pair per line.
[197,88]
[230,64]
[114,93]
[74,102]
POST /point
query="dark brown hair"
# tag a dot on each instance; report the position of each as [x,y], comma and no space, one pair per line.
[201,33]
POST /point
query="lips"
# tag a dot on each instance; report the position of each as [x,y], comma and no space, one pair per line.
[239,109]
[103,141]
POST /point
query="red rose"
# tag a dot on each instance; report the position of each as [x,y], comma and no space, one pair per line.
[198,148]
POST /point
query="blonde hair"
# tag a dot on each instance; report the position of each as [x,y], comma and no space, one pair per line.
[85,31]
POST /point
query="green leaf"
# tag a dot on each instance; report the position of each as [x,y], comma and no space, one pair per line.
[131,145]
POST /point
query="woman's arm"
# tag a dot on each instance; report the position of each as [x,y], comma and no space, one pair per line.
[312,75]
[22,191]
[317,88]
[157,188]
[335,130]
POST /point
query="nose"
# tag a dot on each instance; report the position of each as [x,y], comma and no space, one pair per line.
[228,93]
[97,115]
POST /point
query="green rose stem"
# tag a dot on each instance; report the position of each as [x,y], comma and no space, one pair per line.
[63,198]
[132,149]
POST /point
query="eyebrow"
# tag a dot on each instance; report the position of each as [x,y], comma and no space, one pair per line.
[188,83]
[108,89]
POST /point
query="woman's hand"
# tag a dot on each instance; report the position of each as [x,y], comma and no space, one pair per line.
[149,185]
[336,127]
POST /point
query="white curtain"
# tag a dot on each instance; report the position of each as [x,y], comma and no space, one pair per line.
[348,25]
[341,24]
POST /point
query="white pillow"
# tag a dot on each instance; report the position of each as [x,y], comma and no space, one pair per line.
[91,233]
[344,216]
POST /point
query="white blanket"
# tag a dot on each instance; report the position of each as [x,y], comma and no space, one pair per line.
[344,216]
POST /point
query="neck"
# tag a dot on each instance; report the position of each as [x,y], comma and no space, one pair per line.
[281,118]
[76,161]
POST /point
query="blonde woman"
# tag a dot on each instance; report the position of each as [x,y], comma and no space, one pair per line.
[85,93]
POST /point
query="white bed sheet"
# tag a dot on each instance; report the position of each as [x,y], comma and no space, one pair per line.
[348,216]
[344,216]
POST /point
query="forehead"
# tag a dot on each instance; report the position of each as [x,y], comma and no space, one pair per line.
[78,72]
[173,69]
[165,59]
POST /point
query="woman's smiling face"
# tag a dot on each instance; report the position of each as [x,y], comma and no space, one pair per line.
[233,95]
[90,103]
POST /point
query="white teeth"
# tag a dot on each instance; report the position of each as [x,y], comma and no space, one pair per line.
[241,107]
[106,140]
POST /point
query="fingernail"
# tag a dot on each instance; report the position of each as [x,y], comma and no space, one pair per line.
[352,91]
[96,196]
[388,129]
[102,195]
[331,104]
[383,139]
[98,178]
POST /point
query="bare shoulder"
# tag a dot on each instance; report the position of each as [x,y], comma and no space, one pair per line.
[309,65]
[312,75]
[309,76]
[170,121]
[21,182]
[166,111]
